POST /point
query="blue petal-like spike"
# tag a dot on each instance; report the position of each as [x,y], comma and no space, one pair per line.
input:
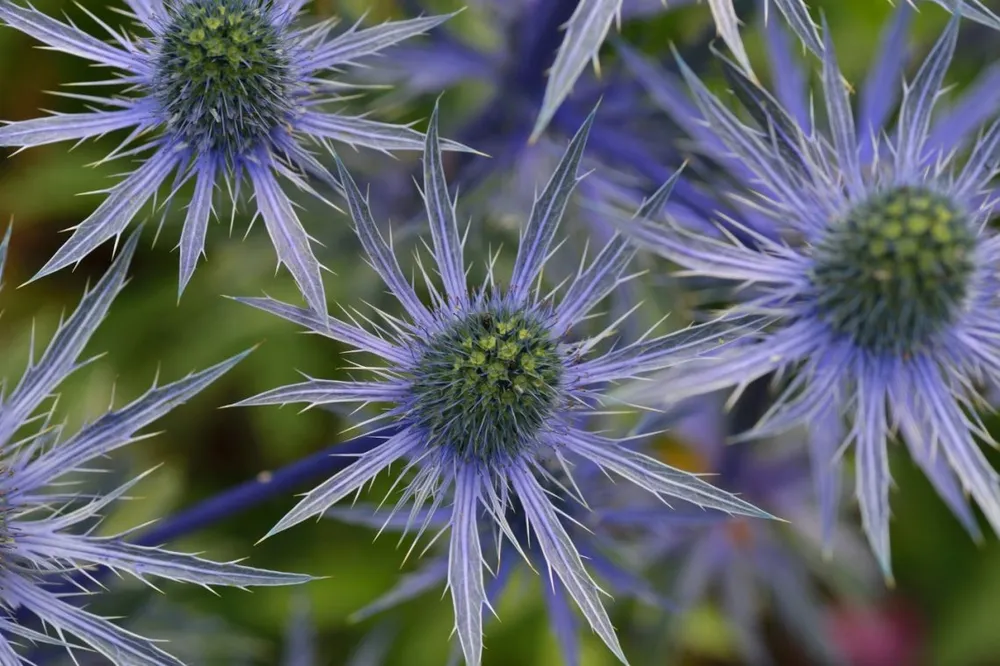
[656,477]
[142,561]
[379,251]
[562,557]
[70,39]
[919,98]
[585,33]
[873,468]
[448,253]
[192,243]
[883,84]
[112,217]
[841,119]
[546,214]
[291,242]
[118,645]
[70,127]
[357,43]
[367,467]
[465,570]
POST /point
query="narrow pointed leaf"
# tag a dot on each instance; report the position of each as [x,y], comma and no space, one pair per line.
[656,477]
[379,252]
[114,214]
[70,127]
[117,428]
[562,557]
[357,43]
[142,561]
[196,223]
[115,643]
[69,39]
[60,357]
[360,472]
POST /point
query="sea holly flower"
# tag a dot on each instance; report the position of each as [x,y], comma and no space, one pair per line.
[487,389]
[884,288]
[217,90]
[46,528]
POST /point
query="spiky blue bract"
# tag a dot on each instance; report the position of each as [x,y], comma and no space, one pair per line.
[884,285]
[486,388]
[46,522]
[225,90]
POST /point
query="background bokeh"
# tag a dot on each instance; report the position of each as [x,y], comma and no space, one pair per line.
[946,602]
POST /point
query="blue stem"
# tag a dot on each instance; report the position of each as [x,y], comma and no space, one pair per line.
[250,493]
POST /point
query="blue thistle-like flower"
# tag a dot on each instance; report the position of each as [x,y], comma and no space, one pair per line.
[884,288]
[45,527]
[486,389]
[217,88]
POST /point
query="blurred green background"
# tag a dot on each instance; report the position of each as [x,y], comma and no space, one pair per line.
[949,584]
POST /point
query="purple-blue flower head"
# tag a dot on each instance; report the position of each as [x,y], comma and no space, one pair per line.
[885,286]
[487,388]
[217,90]
[47,519]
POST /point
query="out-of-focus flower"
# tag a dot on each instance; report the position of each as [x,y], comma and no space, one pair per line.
[46,528]
[883,287]
[750,567]
[528,35]
[487,387]
[590,23]
[217,88]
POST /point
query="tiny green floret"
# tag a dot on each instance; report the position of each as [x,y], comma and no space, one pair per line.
[487,384]
[896,269]
[223,74]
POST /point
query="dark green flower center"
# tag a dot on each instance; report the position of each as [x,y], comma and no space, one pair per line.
[895,270]
[485,386]
[222,74]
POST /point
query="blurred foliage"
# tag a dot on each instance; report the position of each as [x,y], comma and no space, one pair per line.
[953,585]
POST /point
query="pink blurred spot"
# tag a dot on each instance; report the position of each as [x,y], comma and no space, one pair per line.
[881,636]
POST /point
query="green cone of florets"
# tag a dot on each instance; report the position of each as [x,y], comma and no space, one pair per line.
[488,383]
[895,269]
[223,74]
